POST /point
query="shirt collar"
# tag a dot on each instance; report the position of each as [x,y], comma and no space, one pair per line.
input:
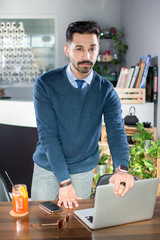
[72,77]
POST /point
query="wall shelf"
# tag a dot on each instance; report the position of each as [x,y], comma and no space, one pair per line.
[131,95]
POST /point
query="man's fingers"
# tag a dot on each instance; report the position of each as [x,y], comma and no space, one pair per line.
[59,203]
[120,190]
[122,187]
[75,203]
[70,204]
[117,185]
[65,203]
[78,198]
[128,186]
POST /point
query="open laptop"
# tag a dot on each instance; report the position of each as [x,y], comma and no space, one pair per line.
[110,210]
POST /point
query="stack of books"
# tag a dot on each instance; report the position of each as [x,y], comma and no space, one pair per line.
[142,75]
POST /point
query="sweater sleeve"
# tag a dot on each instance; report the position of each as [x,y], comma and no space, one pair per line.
[48,131]
[116,134]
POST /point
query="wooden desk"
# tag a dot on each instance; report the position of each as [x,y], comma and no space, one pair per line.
[19,228]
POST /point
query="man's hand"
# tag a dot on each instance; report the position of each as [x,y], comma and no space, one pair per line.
[121,177]
[68,197]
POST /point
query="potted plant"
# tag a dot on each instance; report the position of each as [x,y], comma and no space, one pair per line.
[143,136]
[101,168]
[142,162]
[119,46]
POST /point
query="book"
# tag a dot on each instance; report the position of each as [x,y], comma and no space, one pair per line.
[130,74]
[149,85]
[142,65]
[155,85]
[122,77]
[146,59]
[134,77]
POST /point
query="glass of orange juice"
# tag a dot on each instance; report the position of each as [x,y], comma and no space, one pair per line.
[20,198]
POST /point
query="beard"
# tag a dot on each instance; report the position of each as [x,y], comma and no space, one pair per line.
[84,69]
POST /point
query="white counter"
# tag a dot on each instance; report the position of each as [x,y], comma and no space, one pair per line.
[17,113]
[21,113]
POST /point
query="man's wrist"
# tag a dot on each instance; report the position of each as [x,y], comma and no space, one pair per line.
[122,168]
[65,184]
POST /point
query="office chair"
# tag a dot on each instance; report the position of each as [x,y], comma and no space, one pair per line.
[4,193]
[104,179]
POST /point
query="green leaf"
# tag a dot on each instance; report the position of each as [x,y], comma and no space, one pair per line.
[120,35]
[110,169]
[96,177]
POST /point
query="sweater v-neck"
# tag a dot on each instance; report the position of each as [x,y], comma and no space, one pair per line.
[81,90]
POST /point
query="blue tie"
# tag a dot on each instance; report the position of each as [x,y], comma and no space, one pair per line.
[80,83]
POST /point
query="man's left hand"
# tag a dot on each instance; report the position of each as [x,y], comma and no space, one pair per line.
[123,182]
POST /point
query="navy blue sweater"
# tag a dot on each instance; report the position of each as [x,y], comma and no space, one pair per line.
[69,124]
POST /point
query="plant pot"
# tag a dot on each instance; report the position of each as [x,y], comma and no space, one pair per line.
[147,144]
[101,169]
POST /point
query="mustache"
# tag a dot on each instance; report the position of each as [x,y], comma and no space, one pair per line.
[83,62]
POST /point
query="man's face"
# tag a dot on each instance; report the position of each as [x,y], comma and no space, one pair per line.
[82,51]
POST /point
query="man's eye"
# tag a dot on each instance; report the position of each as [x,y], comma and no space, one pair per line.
[79,49]
[92,49]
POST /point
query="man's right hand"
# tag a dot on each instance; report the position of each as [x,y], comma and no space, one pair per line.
[68,197]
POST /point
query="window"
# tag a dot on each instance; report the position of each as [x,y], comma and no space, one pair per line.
[27,49]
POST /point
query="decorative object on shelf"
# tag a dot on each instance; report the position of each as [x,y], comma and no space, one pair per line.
[147,124]
[108,33]
[105,35]
[131,119]
[107,52]
[106,58]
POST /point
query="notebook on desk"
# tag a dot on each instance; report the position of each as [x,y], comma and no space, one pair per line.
[110,210]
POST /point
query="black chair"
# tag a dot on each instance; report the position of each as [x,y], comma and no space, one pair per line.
[4,193]
[104,179]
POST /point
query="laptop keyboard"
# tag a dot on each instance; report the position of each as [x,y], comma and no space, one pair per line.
[90,218]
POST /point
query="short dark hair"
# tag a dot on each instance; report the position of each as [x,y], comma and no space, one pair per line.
[82,27]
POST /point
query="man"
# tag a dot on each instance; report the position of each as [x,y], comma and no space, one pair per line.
[69,115]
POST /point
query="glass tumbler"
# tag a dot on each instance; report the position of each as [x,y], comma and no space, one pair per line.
[20,198]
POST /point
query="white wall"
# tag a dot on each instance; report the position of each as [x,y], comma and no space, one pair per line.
[105,12]
[140,20]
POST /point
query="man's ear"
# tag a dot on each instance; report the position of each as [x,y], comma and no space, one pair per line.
[98,48]
[66,50]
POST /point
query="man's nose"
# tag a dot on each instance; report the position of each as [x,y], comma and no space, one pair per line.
[86,55]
